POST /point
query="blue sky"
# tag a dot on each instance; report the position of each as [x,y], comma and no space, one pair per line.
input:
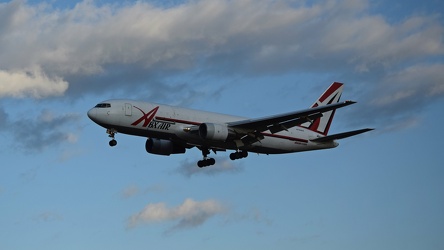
[63,187]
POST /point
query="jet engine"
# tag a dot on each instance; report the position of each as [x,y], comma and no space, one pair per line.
[215,132]
[163,147]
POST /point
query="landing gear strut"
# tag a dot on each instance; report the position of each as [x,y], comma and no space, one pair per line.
[206,161]
[112,134]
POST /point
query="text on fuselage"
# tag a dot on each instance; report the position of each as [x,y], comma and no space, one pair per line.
[159,125]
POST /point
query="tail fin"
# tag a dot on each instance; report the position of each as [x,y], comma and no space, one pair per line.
[330,96]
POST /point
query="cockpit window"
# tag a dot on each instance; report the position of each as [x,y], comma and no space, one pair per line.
[103,105]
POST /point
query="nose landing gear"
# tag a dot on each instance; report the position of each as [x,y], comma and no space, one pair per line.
[112,133]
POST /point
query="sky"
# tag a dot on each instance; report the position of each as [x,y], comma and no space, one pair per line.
[63,187]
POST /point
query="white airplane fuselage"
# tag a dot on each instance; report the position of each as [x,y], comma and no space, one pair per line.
[176,124]
[173,130]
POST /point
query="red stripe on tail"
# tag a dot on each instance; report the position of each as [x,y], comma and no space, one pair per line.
[330,96]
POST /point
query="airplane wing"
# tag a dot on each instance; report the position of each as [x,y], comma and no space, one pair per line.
[277,123]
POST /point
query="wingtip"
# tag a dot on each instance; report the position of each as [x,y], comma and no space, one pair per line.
[365,130]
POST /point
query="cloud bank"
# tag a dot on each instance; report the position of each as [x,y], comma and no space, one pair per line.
[90,48]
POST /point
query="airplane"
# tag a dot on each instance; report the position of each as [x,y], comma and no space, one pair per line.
[173,130]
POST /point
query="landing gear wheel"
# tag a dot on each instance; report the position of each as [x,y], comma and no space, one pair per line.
[112,134]
[238,155]
[244,154]
[211,161]
[113,143]
[233,156]
[200,164]
[206,162]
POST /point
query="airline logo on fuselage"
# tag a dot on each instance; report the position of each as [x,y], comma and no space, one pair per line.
[148,120]
[159,125]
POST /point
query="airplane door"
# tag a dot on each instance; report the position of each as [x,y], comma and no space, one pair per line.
[128,109]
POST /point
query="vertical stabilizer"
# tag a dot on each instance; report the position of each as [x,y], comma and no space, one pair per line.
[330,96]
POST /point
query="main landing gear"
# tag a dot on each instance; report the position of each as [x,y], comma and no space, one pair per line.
[210,161]
[238,155]
[112,134]
[206,161]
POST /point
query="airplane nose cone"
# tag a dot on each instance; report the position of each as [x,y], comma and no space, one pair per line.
[91,114]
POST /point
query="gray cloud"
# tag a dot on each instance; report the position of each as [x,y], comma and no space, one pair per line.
[253,214]
[34,134]
[398,99]
[419,83]
[45,130]
[48,217]
[223,165]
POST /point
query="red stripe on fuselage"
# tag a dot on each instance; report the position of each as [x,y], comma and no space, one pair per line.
[265,134]
[177,120]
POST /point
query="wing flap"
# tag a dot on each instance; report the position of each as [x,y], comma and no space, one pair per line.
[341,135]
[289,124]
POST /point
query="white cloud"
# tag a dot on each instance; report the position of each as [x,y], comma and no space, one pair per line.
[35,83]
[189,214]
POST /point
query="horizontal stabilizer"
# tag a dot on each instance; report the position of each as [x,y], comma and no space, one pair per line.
[341,135]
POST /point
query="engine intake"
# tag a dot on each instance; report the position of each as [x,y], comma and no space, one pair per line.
[163,147]
[214,131]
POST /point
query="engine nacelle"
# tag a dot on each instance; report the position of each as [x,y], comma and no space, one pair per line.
[214,131]
[163,147]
